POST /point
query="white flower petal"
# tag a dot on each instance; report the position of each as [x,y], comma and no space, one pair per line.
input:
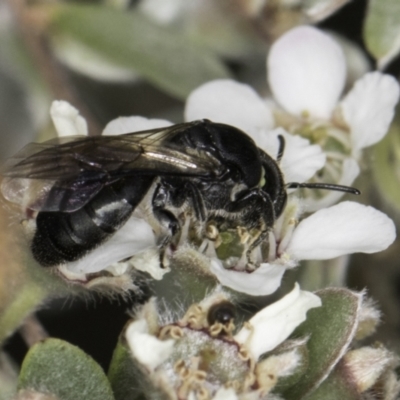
[231,103]
[122,125]
[350,171]
[146,348]
[135,236]
[263,281]
[306,72]
[225,394]
[368,108]
[345,228]
[149,261]
[273,324]
[162,11]
[300,160]
[67,120]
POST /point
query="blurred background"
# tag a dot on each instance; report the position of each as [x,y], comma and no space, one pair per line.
[112,58]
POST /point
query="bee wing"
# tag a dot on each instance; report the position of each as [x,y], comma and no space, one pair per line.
[63,174]
[48,195]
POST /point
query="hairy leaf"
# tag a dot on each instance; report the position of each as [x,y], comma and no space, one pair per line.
[132,41]
[57,367]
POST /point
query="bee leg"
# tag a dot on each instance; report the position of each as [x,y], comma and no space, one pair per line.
[171,228]
[196,200]
[169,224]
[253,209]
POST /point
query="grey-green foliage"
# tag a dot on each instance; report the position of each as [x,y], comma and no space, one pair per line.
[130,40]
[59,368]
[386,169]
[331,329]
[382,30]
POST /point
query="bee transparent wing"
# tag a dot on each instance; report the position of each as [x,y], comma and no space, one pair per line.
[60,159]
[48,195]
[64,174]
[60,175]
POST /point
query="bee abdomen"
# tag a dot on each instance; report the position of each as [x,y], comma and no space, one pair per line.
[63,237]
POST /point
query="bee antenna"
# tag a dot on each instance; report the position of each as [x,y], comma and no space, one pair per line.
[325,186]
[281,148]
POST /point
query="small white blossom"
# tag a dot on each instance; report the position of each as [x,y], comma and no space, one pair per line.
[306,73]
[198,355]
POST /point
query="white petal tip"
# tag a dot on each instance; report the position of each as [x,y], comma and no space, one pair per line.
[67,120]
[369,107]
[123,125]
[146,348]
[273,324]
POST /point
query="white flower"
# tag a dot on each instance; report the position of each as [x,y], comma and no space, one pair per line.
[306,73]
[342,229]
[198,354]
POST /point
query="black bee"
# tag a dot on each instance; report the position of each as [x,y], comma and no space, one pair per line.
[81,190]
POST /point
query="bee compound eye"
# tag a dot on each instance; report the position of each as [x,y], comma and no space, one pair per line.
[222,312]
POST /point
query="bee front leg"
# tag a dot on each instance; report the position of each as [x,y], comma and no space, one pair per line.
[168,223]
[253,209]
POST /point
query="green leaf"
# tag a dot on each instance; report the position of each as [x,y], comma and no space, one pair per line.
[336,386]
[318,10]
[24,284]
[8,377]
[331,329]
[382,30]
[123,374]
[59,368]
[130,40]
[300,346]
[386,168]
[128,380]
